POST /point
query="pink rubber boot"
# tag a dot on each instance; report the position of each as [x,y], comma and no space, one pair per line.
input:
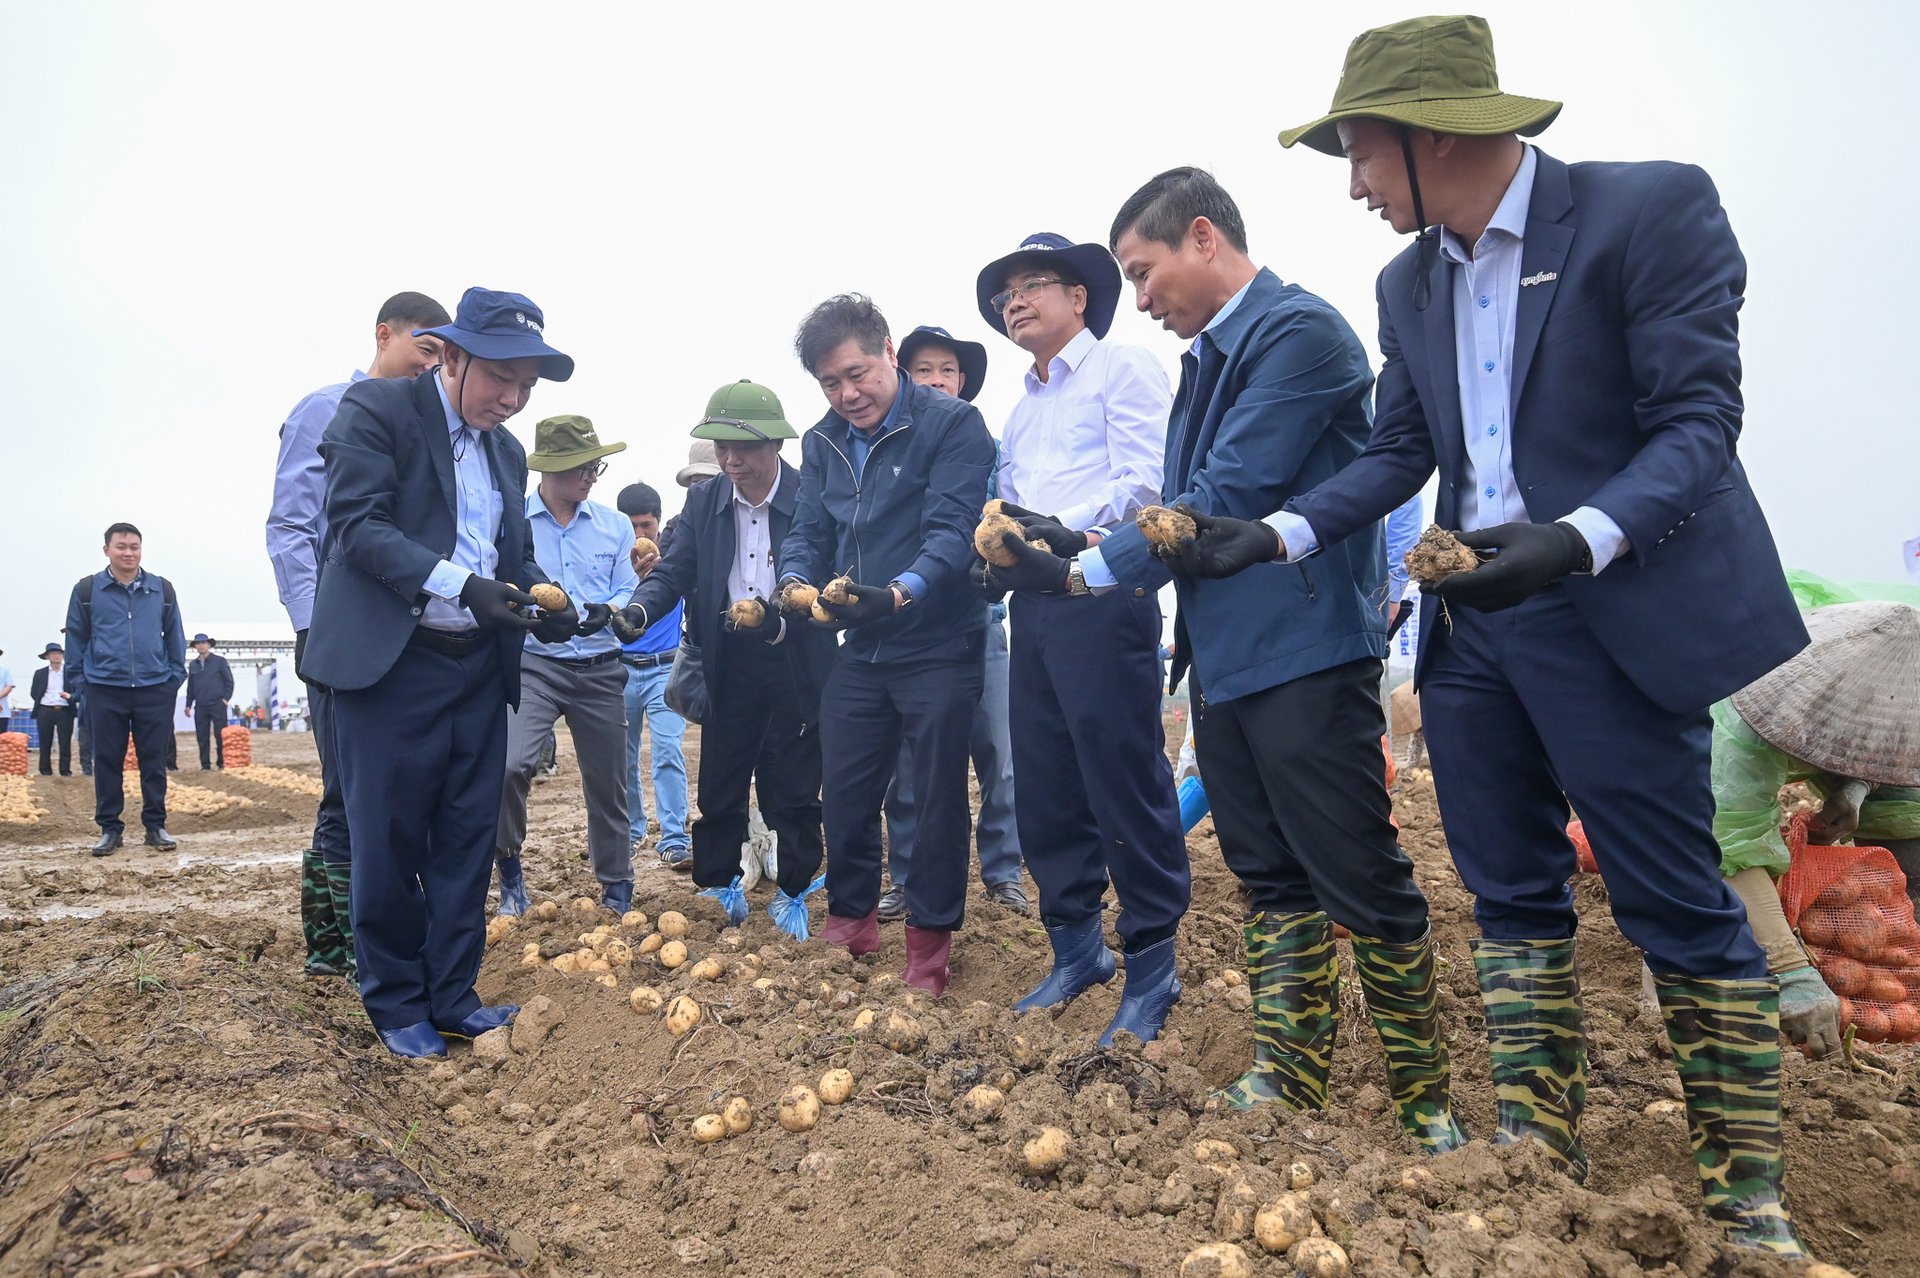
[927,959]
[860,936]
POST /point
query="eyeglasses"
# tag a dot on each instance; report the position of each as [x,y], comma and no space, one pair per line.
[1004,298]
[592,470]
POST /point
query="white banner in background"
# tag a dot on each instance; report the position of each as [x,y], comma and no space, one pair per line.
[1910,554]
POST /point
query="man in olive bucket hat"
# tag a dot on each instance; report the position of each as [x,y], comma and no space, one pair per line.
[584,547]
[763,681]
[1561,343]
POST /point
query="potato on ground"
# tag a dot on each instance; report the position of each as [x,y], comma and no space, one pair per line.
[1216,1260]
[737,1114]
[799,1109]
[836,1085]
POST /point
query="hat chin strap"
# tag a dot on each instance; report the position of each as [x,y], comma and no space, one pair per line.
[1428,244]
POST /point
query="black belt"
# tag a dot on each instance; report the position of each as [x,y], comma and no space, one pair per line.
[646,660]
[453,643]
[581,663]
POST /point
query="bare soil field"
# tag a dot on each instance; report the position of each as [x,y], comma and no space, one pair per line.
[177,1098]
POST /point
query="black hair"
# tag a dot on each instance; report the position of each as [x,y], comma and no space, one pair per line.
[418,307]
[119,528]
[1165,207]
[638,499]
[846,316]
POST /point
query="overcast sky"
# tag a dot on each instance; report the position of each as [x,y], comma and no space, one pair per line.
[203,205]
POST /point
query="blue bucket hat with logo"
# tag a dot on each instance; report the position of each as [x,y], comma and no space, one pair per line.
[501,326]
[972,356]
[1090,265]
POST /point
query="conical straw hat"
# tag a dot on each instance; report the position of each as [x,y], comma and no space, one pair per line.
[1849,703]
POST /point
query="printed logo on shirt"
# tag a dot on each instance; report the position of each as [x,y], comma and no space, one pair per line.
[896,472]
[1544,277]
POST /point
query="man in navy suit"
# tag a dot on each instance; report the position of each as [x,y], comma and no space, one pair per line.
[1561,342]
[417,630]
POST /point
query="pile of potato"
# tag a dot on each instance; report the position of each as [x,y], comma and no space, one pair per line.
[282,779]
[16,801]
[1285,1226]
[191,800]
[13,754]
[236,744]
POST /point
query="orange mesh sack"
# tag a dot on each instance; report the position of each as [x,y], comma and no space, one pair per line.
[13,754]
[1582,850]
[1850,907]
[236,744]
[132,762]
[1393,769]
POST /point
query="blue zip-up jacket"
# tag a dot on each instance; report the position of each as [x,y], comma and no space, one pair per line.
[1275,401]
[912,509]
[127,636]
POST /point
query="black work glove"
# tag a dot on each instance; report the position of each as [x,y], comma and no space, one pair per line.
[495,604]
[769,628]
[299,652]
[1527,558]
[1060,539]
[985,584]
[1222,545]
[1033,569]
[865,604]
[598,615]
[628,623]
[557,627]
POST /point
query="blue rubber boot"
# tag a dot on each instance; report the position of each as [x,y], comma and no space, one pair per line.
[1081,960]
[1194,803]
[513,887]
[617,897]
[732,898]
[1149,994]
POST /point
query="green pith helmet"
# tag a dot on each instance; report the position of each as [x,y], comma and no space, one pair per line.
[744,412]
[1428,73]
[562,443]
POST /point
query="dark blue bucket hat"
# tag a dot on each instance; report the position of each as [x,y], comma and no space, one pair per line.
[972,355]
[500,326]
[1091,264]
[50,649]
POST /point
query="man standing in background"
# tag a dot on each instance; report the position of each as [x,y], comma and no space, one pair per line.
[53,710]
[296,525]
[6,696]
[648,658]
[209,688]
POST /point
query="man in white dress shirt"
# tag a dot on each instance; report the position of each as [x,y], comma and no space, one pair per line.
[1095,800]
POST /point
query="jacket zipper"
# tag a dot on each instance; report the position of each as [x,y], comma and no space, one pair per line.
[1307,577]
[859,487]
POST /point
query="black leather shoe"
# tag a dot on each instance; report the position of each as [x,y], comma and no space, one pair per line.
[416,1040]
[158,837]
[1010,895]
[109,840]
[479,1022]
[893,905]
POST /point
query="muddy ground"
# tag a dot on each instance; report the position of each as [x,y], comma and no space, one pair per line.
[175,1097]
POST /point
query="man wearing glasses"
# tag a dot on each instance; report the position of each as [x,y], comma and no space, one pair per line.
[1095,800]
[584,547]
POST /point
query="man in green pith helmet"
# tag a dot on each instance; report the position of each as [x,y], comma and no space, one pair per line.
[1561,344]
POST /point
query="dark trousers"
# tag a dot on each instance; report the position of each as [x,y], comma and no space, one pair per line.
[866,709]
[1299,792]
[208,719]
[52,721]
[1096,798]
[757,732]
[83,733]
[1525,712]
[330,837]
[421,754]
[145,715]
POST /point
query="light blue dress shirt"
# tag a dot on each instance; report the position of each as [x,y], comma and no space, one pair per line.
[1403,530]
[476,524]
[297,521]
[1486,298]
[588,559]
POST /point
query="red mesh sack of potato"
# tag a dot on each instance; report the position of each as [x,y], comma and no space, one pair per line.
[237,742]
[1850,907]
[1582,850]
[1393,769]
[13,754]
[132,762]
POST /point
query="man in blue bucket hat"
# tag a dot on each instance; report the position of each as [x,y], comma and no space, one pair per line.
[417,627]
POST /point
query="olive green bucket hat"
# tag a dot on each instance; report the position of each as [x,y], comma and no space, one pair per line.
[562,443]
[744,412]
[1428,73]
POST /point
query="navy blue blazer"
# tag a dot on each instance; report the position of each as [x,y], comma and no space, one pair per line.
[1274,403]
[390,521]
[1626,397]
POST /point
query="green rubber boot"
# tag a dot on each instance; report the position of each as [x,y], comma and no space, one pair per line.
[1295,974]
[1537,1040]
[1726,1043]
[317,918]
[1403,996]
[339,885]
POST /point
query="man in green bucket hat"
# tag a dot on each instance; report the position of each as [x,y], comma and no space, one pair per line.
[1561,344]
[763,681]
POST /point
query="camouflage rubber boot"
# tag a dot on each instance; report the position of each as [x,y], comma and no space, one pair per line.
[1538,1043]
[1726,1043]
[1403,996]
[316,917]
[339,887]
[1295,973]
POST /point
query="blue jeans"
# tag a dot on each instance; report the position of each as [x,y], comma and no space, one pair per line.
[646,702]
